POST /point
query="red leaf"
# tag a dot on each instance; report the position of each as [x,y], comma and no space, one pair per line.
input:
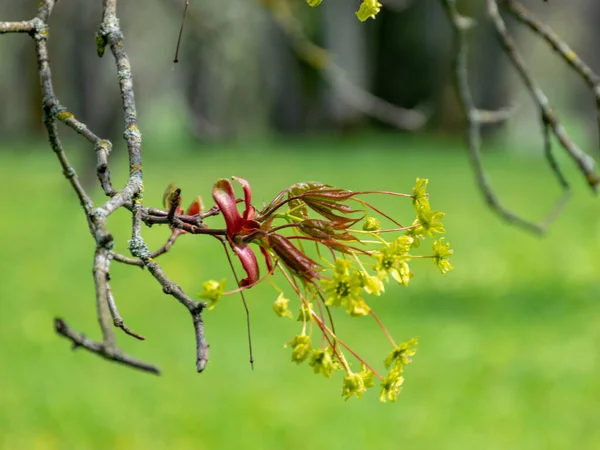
[267,257]
[329,193]
[249,211]
[249,263]
[224,197]
[195,207]
[293,258]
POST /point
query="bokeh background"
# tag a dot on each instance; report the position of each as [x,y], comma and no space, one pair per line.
[508,354]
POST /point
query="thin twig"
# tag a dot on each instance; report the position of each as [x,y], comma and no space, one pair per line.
[584,161]
[139,249]
[126,259]
[102,147]
[237,280]
[101,270]
[155,254]
[185,8]
[523,15]
[118,320]
[79,340]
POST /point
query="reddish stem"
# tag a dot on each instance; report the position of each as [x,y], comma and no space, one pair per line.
[387,333]
[343,344]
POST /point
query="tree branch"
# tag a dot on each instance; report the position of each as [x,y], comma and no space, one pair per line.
[476,118]
[584,161]
[129,196]
[79,340]
[519,12]
[16,27]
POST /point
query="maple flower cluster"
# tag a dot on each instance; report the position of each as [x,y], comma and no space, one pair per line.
[333,254]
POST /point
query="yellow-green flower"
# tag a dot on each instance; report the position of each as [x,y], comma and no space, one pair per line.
[357,383]
[412,233]
[392,261]
[368,8]
[357,308]
[385,262]
[213,291]
[345,289]
[402,245]
[428,223]
[280,306]
[367,376]
[322,361]
[391,385]
[441,254]
[420,197]
[313,3]
[304,313]
[402,273]
[353,385]
[400,356]
[302,345]
[371,224]
[372,284]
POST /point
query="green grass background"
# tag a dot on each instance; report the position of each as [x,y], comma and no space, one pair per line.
[509,341]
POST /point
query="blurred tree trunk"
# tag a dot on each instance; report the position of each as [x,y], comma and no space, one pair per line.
[345,39]
[199,96]
[283,81]
[21,112]
[222,79]
[414,57]
[411,54]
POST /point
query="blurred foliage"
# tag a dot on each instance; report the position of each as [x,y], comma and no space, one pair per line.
[508,341]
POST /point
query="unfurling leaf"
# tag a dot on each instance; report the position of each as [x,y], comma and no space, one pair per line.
[196,207]
[169,195]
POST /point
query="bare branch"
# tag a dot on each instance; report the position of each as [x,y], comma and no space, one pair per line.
[129,196]
[79,340]
[126,259]
[477,118]
[138,248]
[584,161]
[202,346]
[592,79]
[51,105]
[460,26]
[117,319]
[138,262]
[102,147]
[16,27]
[101,270]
